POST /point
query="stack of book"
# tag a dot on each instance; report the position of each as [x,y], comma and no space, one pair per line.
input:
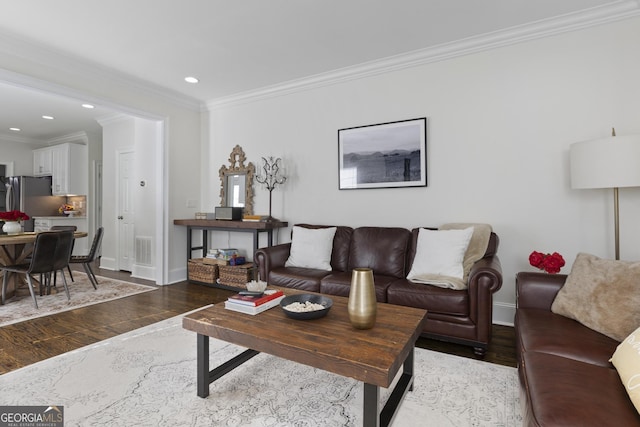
[224,257]
[254,304]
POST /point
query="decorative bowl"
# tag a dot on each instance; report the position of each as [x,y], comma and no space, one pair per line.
[256,286]
[302,298]
[70,213]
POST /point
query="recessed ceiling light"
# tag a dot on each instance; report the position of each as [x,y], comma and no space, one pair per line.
[15,129]
[89,106]
[47,117]
[191,79]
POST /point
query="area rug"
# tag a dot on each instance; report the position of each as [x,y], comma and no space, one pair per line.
[20,307]
[147,377]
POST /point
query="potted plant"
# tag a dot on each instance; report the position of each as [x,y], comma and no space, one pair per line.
[12,221]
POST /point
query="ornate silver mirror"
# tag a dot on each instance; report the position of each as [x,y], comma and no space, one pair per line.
[236,182]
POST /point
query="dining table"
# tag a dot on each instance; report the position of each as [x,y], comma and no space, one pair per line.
[15,249]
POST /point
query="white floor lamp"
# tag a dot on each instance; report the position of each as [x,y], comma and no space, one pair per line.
[611,162]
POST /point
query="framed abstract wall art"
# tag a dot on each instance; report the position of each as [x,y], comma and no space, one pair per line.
[386,155]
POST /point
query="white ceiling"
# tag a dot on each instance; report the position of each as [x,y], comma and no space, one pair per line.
[236,47]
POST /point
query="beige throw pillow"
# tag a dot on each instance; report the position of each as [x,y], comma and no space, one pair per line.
[626,359]
[602,294]
[311,248]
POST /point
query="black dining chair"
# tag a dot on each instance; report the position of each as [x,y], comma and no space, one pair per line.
[86,260]
[61,258]
[63,228]
[50,250]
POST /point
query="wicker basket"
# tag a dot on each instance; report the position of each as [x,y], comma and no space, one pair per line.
[199,271]
[236,275]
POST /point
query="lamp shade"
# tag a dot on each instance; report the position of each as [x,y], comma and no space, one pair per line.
[606,163]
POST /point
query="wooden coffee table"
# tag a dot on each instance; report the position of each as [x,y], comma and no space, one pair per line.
[373,356]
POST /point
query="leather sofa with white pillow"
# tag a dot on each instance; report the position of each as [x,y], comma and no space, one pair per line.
[461,314]
[566,376]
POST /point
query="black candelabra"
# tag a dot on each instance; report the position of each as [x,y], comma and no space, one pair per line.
[270,177]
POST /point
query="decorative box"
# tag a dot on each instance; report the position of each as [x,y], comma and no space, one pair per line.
[199,271]
[236,275]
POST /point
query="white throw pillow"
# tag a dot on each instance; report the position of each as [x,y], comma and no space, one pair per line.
[626,359]
[439,257]
[311,248]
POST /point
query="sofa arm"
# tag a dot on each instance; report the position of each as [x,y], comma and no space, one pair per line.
[271,257]
[537,290]
[486,274]
[485,278]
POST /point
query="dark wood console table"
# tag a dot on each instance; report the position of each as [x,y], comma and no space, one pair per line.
[207,225]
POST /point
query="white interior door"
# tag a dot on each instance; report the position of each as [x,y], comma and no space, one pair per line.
[126,212]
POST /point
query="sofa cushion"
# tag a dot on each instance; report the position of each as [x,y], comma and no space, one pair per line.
[306,279]
[311,248]
[564,392]
[545,332]
[602,294]
[383,249]
[431,298]
[626,360]
[339,283]
[439,258]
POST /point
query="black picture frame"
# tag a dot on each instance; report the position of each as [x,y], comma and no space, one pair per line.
[384,155]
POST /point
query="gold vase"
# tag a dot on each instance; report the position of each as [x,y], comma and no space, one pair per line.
[362,299]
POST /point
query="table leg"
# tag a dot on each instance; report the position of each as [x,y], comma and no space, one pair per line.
[206,377]
[205,242]
[203,365]
[256,241]
[372,396]
[11,254]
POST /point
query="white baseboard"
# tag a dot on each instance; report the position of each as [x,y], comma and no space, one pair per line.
[108,263]
[144,272]
[503,313]
[178,275]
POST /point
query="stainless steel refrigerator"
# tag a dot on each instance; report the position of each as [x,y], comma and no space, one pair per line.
[32,195]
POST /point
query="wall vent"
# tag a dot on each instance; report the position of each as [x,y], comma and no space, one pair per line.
[143,250]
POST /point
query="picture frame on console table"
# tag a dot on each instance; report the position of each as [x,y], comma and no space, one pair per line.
[385,155]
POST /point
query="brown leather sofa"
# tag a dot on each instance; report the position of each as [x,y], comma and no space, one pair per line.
[564,368]
[460,316]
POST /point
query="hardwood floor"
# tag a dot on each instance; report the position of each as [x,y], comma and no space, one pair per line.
[24,343]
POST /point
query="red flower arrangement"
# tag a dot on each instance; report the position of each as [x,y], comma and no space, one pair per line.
[13,216]
[551,263]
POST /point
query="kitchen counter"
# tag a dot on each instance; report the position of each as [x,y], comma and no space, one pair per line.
[59,217]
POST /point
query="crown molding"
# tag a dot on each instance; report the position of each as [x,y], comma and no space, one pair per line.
[536,30]
[113,118]
[70,64]
[75,137]
[7,137]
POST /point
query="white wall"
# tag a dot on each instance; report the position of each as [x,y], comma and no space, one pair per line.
[123,134]
[500,123]
[20,153]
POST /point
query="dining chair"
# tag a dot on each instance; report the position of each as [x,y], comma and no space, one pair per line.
[63,228]
[49,246]
[86,260]
[61,258]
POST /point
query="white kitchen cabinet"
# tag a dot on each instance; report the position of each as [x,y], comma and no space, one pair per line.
[44,223]
[42,161]
[70,169]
